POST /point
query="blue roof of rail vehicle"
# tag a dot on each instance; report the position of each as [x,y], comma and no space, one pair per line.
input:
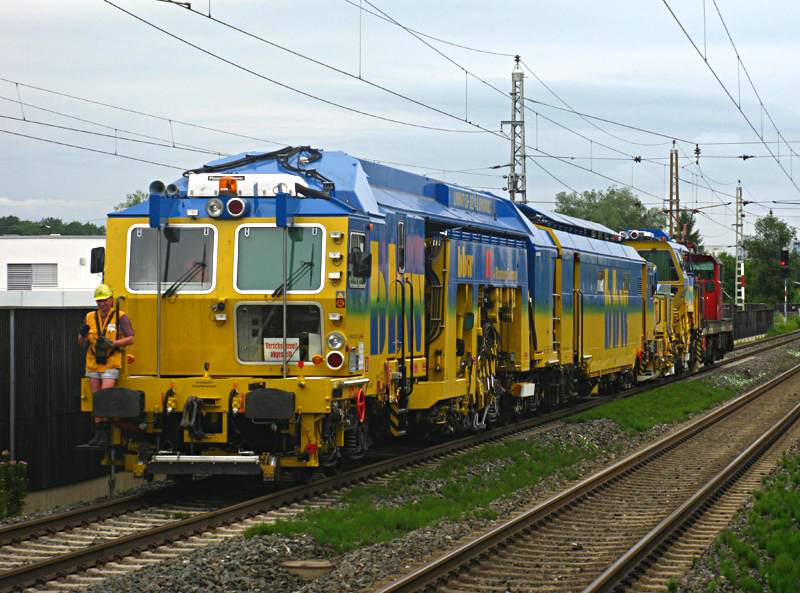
[365,187]
[556,219]
[577,233]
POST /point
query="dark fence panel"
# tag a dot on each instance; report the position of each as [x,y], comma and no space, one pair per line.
[757,319]
[49,366]
[5,378]
[48,444]
[50,362]
[792,309]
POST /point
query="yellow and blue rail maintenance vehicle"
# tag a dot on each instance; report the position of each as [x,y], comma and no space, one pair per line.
[292,307]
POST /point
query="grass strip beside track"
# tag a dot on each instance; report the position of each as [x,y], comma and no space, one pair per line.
[463,487]
[459,488]
[766,551]
[671,403]
[783,325]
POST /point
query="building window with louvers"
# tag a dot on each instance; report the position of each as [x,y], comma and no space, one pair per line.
[30,276]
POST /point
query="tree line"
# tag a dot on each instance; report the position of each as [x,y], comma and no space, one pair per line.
[13,225]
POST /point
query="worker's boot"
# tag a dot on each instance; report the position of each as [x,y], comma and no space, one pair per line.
[104,439]
[98,433]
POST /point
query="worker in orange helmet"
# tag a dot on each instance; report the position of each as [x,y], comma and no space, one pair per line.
[106,332]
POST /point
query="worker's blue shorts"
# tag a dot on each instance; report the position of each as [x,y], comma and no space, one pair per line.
[107,374]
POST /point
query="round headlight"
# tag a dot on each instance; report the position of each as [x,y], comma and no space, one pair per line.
[335,340]
[214,207]
[335,360]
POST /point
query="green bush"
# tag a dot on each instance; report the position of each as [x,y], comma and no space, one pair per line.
[770,542]
[750,585]
[783,326]
[13,486]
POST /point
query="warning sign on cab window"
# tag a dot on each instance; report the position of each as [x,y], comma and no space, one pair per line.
[273,349]
[340,302]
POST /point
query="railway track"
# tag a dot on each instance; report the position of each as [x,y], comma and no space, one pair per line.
[55,547]
[622,516]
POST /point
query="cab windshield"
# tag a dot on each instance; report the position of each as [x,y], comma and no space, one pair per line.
[187,259]
[667,272]
[704,270]
[259,266]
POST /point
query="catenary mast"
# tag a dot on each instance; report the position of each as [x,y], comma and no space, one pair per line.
[516,176]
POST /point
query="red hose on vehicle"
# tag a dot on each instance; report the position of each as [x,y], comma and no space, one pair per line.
[361,406]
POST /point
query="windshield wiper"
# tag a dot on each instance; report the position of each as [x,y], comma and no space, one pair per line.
[295,275]
[293,278]
[187,275]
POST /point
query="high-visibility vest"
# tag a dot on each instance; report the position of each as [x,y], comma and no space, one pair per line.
[108,328]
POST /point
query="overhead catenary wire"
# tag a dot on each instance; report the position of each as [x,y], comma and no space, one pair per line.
[177,121]
[296,90]
[696,164]
[183,123]
[750,80]
[608,121]
[111,136]
[321,63]
[583,117]
[439,169]
[730,96]
[407,29]
[595,158]
[142,113]
[122,156]
[616,181]
[437,39]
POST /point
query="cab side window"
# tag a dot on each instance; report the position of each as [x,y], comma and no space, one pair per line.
[401,246]
[358,242]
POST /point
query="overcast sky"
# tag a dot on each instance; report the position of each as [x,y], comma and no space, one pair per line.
[623,61]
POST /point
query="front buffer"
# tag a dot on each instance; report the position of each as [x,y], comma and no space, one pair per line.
[236,426]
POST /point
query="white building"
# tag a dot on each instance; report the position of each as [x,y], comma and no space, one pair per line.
[48,271]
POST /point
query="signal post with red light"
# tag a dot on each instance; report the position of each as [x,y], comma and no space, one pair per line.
[785,262]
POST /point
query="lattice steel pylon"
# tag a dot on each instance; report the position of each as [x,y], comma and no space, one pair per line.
[738,226]
[516,175]
[674,196]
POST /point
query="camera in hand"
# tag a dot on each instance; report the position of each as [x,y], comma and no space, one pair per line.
[102,349]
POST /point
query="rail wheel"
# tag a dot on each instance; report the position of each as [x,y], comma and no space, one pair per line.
[332,470]
[180,478]
[302,475]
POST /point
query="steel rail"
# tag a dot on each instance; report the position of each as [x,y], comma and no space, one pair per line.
[623,571]
[15,579]
[787,338]
[458,560]
[35,528]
